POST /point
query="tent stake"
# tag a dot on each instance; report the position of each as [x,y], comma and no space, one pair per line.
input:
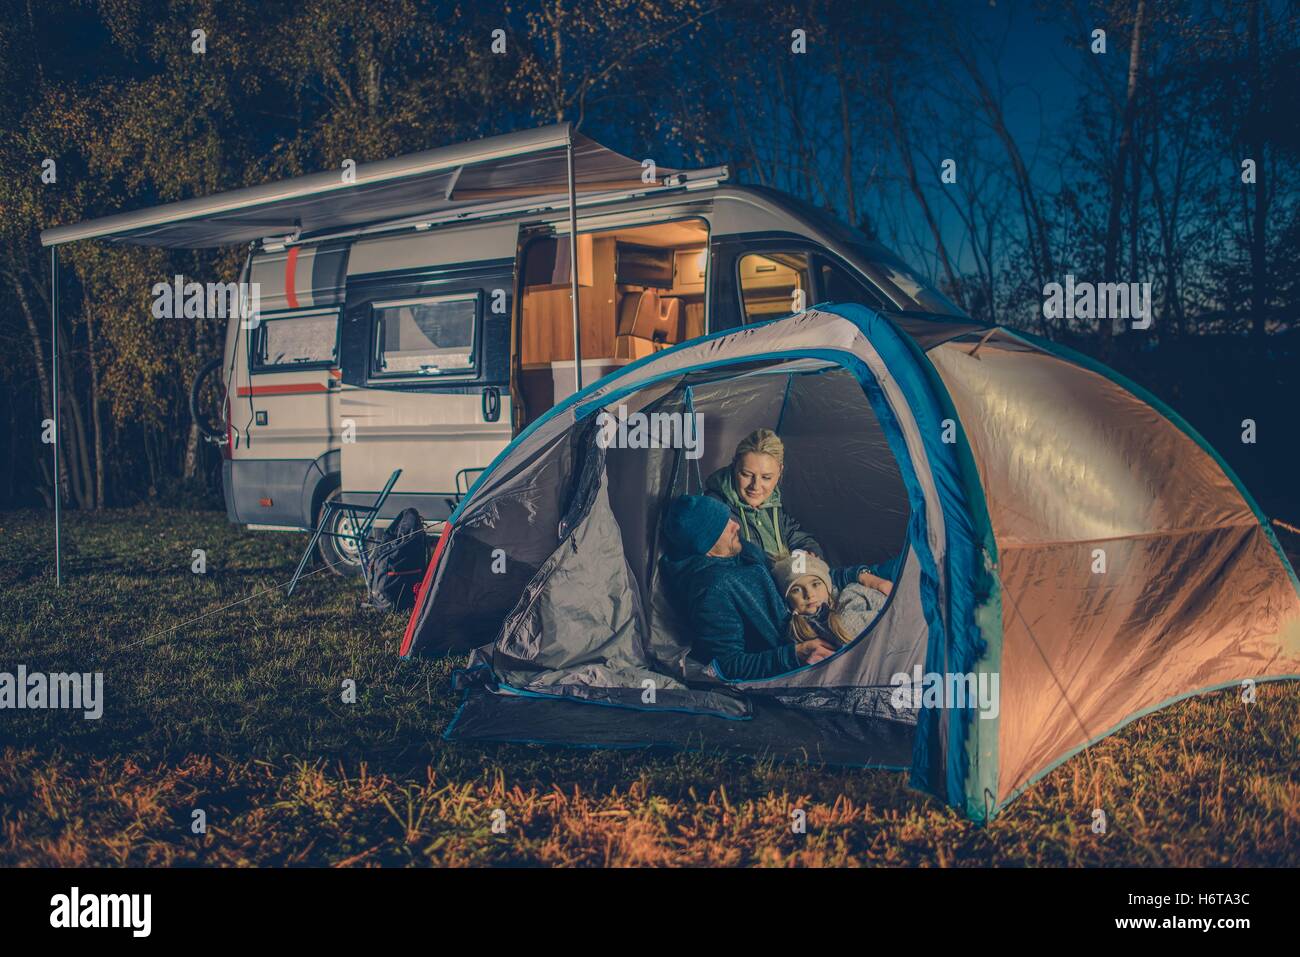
[573,266]
[54,347]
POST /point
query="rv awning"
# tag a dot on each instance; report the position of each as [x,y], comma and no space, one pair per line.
[434,183]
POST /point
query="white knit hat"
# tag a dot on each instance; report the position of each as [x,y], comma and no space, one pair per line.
[798,565]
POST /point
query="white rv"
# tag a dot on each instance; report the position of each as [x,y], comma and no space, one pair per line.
[418,316]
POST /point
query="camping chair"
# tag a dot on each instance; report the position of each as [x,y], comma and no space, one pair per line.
[462,486]
[360,526]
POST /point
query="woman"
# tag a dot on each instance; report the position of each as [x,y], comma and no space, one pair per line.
[750,486]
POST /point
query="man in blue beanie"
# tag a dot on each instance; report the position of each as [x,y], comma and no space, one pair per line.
[726,595]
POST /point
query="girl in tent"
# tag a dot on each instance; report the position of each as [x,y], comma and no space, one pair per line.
[819,609]
[750,486]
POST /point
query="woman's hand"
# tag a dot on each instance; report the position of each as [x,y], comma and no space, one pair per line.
[813,651]
[881,585]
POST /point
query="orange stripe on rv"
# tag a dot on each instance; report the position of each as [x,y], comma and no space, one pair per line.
[288,388]
[290,280]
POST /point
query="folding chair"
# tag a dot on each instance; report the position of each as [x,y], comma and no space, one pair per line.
[463,483]
[360,526]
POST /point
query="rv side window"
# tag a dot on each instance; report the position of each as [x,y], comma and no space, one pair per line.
[295,341]
[771,283]
[426,337]
[836,284]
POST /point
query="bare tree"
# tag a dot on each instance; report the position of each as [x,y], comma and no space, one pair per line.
[1110,266]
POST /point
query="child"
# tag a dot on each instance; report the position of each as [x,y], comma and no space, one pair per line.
[818,609]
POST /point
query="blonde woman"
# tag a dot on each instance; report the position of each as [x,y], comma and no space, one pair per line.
[750,486]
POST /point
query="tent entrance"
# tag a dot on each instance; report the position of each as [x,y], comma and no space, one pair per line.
[595,626]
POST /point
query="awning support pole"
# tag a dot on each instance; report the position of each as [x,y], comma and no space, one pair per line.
[54,347]
[573,266]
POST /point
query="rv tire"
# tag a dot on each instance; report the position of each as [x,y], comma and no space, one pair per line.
[337,553]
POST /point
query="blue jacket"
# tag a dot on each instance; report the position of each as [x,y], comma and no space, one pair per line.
[734,612]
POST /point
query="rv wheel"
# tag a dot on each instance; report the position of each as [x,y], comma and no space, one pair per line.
[337,551]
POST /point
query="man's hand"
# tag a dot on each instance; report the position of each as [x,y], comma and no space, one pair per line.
[881,585]
[811,652]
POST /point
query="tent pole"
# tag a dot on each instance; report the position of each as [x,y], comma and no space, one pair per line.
[573,266]
[54,346]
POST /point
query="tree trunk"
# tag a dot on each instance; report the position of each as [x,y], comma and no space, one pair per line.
[372,86]
[846,125]
[1167,219]
[905,151]
[47,489]
[76,457]
[39,355]
[151,457]
[96,418]
[77,446]
[1259,293]
[557,41]
[1035,224]
[192,451]
[1111,266]
[809,172]
[1134,203]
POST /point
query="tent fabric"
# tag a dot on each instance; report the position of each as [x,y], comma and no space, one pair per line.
[509,483]
[1132,568]
[458,178]
[993,466]
[579,628]
[772,732]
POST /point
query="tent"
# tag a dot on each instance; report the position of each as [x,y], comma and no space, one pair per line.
[1060,539]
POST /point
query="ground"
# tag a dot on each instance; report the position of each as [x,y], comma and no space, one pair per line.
[225,696]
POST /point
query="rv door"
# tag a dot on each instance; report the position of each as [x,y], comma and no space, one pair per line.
[426,365]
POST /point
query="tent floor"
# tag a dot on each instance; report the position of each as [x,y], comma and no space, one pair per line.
[774,731]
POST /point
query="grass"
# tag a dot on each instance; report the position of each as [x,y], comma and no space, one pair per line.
[239,714]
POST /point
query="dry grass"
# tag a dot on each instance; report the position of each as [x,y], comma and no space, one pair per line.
[239,715]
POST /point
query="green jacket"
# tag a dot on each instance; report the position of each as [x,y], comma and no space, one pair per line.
[770,527]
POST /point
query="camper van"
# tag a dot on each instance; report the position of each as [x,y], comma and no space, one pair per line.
[419,315]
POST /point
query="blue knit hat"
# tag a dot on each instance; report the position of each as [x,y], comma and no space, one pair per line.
[695,522]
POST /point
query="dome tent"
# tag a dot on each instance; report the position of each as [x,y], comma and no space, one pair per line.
[1055,534]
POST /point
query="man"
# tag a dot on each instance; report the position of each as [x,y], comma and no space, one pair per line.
[726,595]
